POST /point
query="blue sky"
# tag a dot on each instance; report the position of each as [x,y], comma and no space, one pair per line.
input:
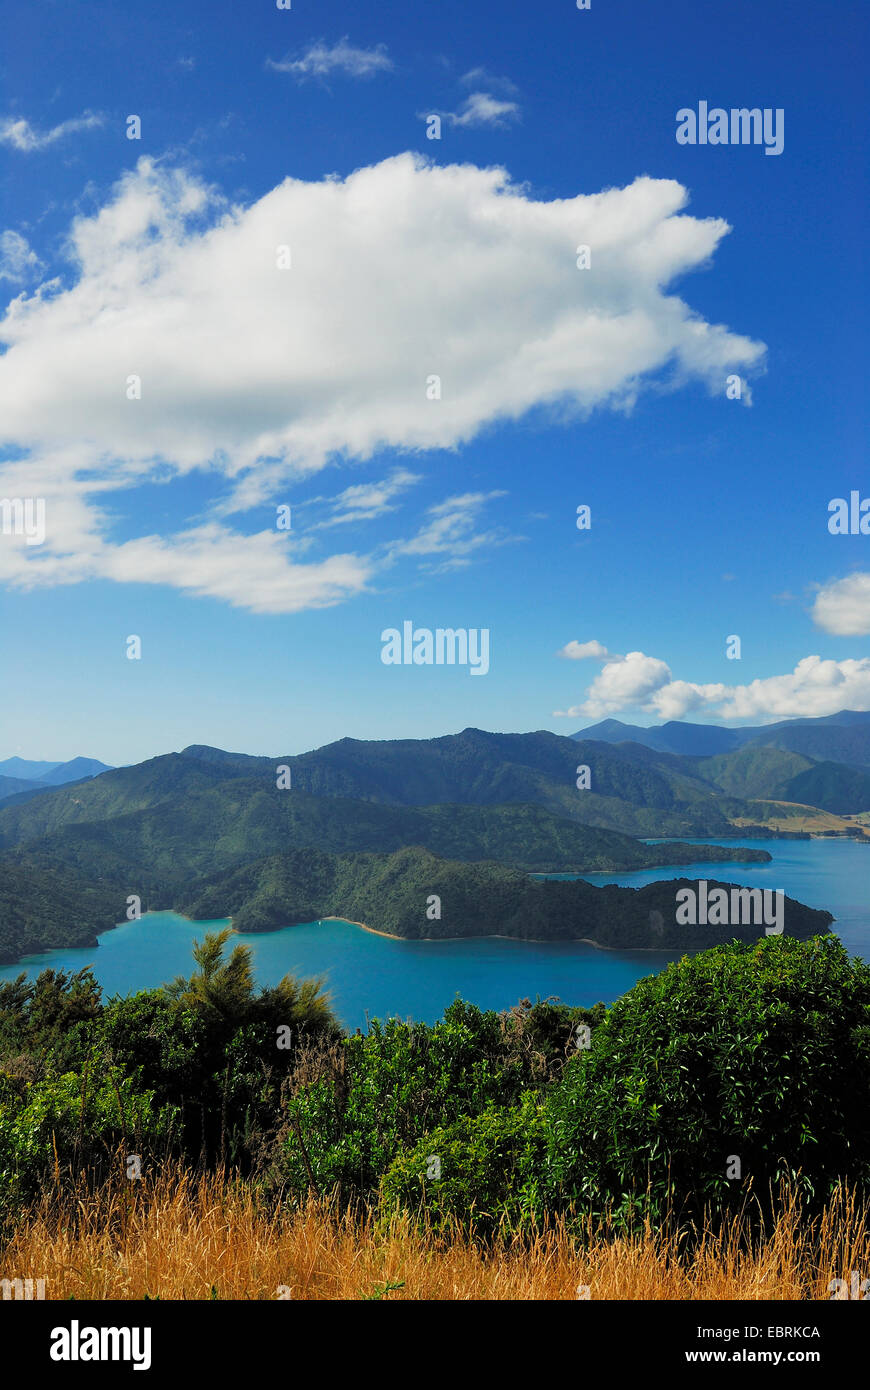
[306,386]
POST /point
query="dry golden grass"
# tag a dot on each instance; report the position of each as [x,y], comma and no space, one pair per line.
[182,1238]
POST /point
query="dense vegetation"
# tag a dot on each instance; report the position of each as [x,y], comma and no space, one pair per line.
[205,831]
[176,830]
[755,1052]
[634,789]
[11,786]
[842,790]
[752,772]
[192,1068]
[43,907]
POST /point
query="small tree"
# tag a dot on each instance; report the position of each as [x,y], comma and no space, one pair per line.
[222,989]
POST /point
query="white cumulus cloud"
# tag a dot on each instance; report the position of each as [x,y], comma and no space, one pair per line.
[585,651]
[843,607]
[814,687]
[676,699]
[402,272]
[623,681]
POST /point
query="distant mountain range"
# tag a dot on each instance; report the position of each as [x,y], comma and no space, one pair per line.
[841,738]
[18,775]
[213,833]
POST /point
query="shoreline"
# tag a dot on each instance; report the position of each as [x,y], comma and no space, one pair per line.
[496,936]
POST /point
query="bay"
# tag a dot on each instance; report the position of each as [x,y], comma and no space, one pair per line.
[376,976]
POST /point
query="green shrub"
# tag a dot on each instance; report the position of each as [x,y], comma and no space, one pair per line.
[757,1051]
[402,1081]
[482,1170]
[61,1122]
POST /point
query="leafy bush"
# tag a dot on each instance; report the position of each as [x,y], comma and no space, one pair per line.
[401,1081]
[753,1053]
[71,1121]
[482,1170]
[756,1051]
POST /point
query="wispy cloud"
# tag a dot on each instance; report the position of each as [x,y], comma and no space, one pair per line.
[19,134]
[482,77]
[451,534]
[18,262]
[322,59]
[363,501]
[481,108]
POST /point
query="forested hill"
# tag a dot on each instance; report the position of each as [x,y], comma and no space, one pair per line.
[627,787]
[207,830]
[630,788]
[394,893]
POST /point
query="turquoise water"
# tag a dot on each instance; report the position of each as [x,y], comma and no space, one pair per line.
[418,979]
[833,874]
